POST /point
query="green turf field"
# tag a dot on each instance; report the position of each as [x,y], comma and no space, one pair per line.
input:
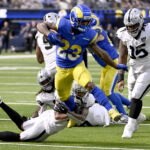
[18,87]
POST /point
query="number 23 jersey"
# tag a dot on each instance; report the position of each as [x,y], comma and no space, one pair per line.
[74,44]
[138,49]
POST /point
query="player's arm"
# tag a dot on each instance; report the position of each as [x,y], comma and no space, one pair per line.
[102,54]
[123,54]
[45,27]
[39,54]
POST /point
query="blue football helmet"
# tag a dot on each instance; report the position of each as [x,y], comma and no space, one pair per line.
[80,17]
[94,20]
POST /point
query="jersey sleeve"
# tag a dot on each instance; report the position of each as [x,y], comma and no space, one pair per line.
[93,35]
[60,23]
[121,34]
[98,29]
[37,35]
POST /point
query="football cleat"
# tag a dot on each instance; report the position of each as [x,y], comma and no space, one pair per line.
[128,130]
[114,114]
[140,119]
[123,119]
[71,123]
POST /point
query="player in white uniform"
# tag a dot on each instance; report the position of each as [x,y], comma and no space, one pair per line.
[39,128]
[97,114]
[135,42]
[46,53]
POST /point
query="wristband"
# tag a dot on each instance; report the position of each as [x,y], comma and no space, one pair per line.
[120,77]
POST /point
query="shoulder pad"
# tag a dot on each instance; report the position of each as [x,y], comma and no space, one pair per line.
[98,29]
[120,32]
[37,35]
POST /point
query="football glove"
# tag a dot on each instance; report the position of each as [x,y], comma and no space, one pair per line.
[53,38]
[61,108]
[122,66]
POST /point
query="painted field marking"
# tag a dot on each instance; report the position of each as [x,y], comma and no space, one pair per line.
[74,147]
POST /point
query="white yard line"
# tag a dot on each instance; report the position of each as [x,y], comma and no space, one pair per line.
[22,68]
[16,92]
[70,147]
[17,56]
[18,84]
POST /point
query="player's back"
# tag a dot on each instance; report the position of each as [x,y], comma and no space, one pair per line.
[75,44]
[48,51]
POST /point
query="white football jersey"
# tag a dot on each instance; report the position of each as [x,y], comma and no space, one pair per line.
[138,49]
[49,52]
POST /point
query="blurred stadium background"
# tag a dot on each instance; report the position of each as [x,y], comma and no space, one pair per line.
[23,15]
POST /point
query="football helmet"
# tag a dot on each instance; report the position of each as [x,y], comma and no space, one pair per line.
[79,91]
[44,79]
[80,17]
[133,20]
[50,17]
[94,20]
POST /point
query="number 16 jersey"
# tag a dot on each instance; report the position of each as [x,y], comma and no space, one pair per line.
[138,49]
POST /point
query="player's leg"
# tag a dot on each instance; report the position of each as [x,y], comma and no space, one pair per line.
[9,136]
[108,82]
[83,77]
[14,116]
[63,84]
[141,87]
[34,131]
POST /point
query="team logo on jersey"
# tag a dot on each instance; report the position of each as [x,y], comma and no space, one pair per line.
[143,39]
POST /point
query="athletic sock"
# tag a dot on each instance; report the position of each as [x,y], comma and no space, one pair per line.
[101,98]
[70,103]
[118,103]
[14,116]
[9,136]
[124,100]
[135,108]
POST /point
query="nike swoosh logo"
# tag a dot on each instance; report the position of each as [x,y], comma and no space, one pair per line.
[86,39]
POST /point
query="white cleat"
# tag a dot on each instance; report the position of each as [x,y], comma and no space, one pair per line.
[128,131]
[140,119]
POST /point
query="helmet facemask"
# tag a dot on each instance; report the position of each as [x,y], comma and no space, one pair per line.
[133,21]
[80,18]
[45,81]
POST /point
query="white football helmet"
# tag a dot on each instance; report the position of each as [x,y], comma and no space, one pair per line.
[133,17]
[45,81]
[78,91]
[50,17]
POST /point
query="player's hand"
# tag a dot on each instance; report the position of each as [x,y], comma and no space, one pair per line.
[54,38]
[121,86]
[61,108]
[122,66]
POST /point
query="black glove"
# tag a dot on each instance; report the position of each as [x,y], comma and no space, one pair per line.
[61,108]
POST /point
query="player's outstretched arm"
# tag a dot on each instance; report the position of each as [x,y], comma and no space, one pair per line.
[123,54]
[45,27]
[105,57]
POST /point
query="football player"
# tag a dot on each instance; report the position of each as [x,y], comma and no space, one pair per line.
[109,75]
[73,37]
[46,53]
[39,128]
[135,42]
[97,114]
